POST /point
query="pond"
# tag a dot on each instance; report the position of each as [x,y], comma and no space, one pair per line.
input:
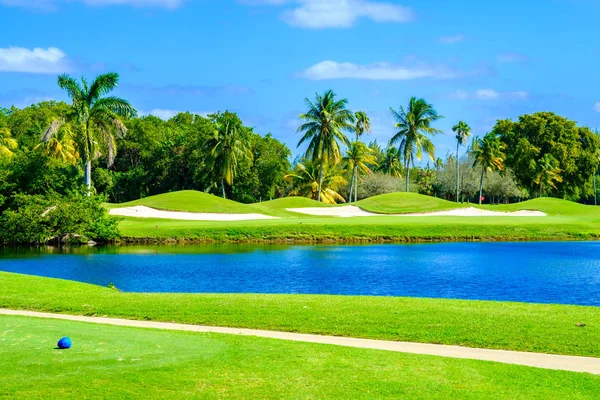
[553,272]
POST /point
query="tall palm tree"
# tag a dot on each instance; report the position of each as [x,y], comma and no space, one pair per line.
[489,154]
[307,183]
[7,143]
[363,125]
[414,125]
[228,146]
[390,163]
[95,118]
[358,157]
[60,146]
[462,131]
[547,173]
[323,127]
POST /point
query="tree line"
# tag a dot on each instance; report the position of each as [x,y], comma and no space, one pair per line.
[97,147]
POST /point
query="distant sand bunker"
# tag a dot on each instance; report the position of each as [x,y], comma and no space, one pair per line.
[147,212]
[353,211]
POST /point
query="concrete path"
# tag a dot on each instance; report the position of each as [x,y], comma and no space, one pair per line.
[548,361]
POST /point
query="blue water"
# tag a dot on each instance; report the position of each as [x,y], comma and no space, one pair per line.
[565,272]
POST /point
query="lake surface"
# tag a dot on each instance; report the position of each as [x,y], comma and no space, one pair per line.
[553,272]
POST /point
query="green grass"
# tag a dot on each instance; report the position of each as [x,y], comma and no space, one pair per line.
[566,221]
[402,203]
[482,324]
[120,362]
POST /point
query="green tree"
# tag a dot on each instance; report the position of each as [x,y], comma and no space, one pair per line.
[323,127]
[228,147]
[362,126]
[7,143]
[414,127]
[575,148]
[488,154]
[310,179]
[547,173]
[95,118]
[462,131]
[390,162]
[358,157]
[60,146]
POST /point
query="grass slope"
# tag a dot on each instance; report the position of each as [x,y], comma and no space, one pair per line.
[120,362]
[566,220]
[484,324]
[401,203]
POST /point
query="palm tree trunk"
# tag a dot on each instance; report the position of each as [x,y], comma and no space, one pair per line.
[355,183]
[407,172]
[87,176]
[481,185]
[320,180]
[223,187]
[351,187]
[457,172]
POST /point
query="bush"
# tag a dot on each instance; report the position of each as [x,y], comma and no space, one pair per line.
[74,218]
[376,184]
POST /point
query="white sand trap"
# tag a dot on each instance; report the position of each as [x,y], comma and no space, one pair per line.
[353,211]
[147,212]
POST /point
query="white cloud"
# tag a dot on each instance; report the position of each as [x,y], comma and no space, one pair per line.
[451,39]
[489,94]
[36,61]
[597,106]
[51,5]
[167,114]
[377,71]
[512,58]
[316,14]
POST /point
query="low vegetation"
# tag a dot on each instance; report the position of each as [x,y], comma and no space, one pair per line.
[485,324]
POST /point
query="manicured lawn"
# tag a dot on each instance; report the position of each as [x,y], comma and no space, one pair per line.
[485,324]
[119,362]
[566,220]
[400,203]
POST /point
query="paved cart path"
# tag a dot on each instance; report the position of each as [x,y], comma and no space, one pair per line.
[539,360]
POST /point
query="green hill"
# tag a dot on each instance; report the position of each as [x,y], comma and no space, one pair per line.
[400,203]
[191,201]
[550,206]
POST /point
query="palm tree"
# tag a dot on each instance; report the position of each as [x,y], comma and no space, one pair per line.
[95,118]
[323,127]
[363,125]
[390,164]
[462,131]
[60,146]
[414,124]
[7,143]
[547,173]
[308,184]
[358,157]
[228,146]
[488,153]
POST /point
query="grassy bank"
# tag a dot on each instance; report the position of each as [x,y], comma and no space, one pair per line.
[565,221]
[119,362]
[496,325]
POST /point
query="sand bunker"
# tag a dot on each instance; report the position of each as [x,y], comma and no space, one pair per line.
[353,211]
[147,212]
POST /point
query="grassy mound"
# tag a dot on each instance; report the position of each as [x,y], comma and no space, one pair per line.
[550,206]
[190,201]
[400,203]
[498,325]
[292,202]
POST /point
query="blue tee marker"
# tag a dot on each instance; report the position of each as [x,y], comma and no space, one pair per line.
[64,343]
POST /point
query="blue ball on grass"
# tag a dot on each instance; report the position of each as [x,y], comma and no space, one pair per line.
[64,343]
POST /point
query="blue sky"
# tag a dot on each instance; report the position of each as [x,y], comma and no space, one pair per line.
[474,60]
